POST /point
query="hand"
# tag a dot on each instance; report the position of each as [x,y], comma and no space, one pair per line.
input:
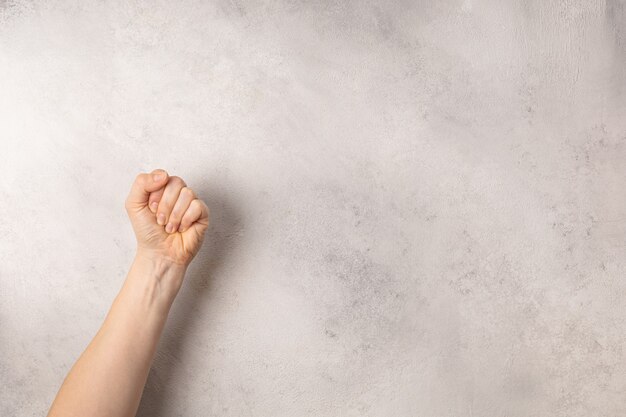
[168,220]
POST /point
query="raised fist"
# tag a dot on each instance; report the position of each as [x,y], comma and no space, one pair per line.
[168,220]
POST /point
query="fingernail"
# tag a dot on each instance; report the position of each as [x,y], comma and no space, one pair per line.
[181,229]
[161,219]
[157,177]
[154,206]
[169,228]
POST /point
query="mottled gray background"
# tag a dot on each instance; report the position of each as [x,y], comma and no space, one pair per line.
[418,208]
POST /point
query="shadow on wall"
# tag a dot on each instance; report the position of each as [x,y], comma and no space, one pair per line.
[215,256]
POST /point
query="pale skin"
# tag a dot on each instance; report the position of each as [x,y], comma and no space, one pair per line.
[108,378]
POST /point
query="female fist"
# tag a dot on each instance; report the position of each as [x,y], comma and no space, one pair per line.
[168,220]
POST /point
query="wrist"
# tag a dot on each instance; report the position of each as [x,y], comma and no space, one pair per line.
[155,278]
[156,260]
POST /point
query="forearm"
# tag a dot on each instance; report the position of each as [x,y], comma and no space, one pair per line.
[108,378]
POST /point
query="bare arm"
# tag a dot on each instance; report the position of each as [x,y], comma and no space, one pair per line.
[108,378]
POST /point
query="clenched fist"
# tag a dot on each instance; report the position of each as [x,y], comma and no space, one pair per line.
[168,220]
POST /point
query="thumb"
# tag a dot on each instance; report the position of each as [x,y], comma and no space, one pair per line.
[142,187]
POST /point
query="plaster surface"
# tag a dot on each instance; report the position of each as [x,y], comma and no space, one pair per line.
[418,207]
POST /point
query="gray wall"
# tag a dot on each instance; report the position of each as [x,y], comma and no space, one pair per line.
[418,208]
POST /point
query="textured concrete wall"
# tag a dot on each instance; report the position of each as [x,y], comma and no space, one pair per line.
[419,207]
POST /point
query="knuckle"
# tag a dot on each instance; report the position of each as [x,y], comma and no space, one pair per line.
[178,181]
[186,191]
[139,178]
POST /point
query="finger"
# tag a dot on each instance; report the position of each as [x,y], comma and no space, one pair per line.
[155,197]
[185,198]
[170,195]
[196,215]
[143,185]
